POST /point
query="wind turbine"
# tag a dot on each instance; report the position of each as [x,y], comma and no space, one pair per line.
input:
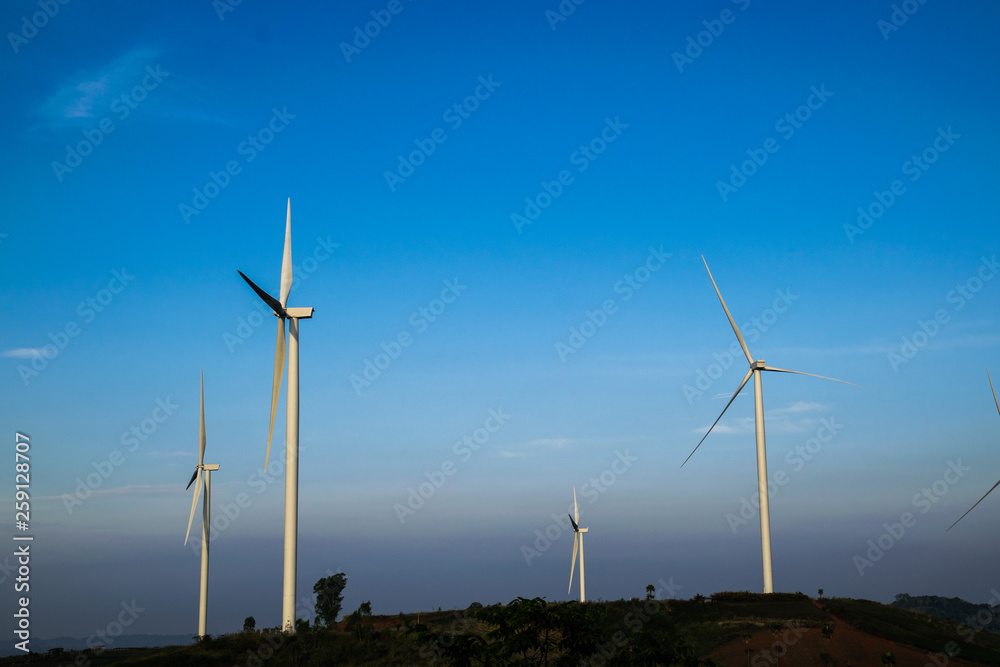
[293,315]
[998,482]
[755,370]
[206,513]
[577,542]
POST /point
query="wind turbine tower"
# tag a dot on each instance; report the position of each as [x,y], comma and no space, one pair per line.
[206,513]
[756,367]
[293,315]
[577,543]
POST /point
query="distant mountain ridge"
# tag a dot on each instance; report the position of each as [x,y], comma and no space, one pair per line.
[975,616]
[79,643]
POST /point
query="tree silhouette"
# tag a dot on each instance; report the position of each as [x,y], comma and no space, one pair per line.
[329,596]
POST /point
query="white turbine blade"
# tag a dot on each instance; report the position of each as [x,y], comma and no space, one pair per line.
[279,371]
[201,429]
[994,391]
[286,260]
[194,505]
[576,509]
[738,390]
[974,506]
[572,565]
[785,370]
[736,329]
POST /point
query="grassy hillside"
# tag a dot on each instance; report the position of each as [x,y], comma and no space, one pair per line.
[728,629]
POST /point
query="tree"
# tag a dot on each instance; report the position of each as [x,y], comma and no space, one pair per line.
[820,591]
[360,622]
[249,624]
[650,592]
[329,596]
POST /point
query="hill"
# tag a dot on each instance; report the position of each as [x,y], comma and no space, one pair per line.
[975,616]
[729,629]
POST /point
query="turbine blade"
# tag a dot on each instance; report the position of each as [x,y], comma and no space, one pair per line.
[194,505]
[572,565]
[201,429]
[271,302]
[736,329]
[286,259]
[576,509]
[279,371]
[575,527]
[738,390]
[993,390]
[194,476]
[974,506]
[785,370]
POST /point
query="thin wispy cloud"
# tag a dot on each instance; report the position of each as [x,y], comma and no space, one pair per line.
[22,353]
[89,94]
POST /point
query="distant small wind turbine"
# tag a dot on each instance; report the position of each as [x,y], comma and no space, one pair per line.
[755,369]
[577,543]
[998,482]
[293,315]
[206,514]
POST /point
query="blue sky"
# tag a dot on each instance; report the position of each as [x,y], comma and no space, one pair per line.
[542,174]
